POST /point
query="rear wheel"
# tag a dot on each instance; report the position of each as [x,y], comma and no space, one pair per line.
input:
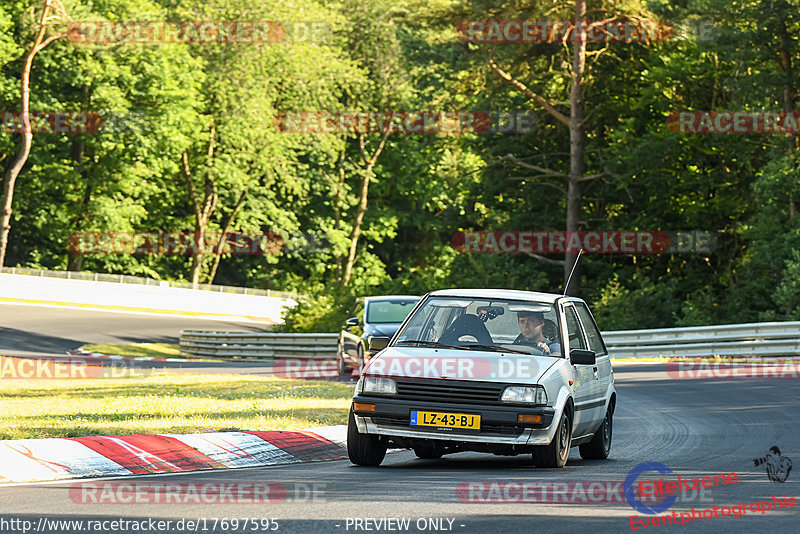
[600,446]
[556,454]
[341,367]
[363,449]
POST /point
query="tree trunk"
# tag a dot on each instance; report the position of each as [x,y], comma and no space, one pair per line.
[337,200]
[16,164]
[202,213]
[576,144]
[362,203]
[576,137]
[222,237]
[361,209]
[789,89]
[75,260]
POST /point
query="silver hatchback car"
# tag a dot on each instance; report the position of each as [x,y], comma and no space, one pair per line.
[499,371]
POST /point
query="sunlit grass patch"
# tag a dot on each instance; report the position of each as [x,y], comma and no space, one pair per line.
[150,350]
[167,403]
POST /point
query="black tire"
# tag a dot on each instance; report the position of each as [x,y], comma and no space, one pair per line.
[556,454]
[363,449]
[600,446]
[341,367]
[426,453]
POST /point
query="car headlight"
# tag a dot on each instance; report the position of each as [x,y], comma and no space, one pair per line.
[381,386]
[535,395]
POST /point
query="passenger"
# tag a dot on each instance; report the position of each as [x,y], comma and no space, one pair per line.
[530,327]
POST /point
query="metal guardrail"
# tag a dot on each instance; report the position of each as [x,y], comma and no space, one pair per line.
[264,346]
[750,339]
[747,339]
[141,280]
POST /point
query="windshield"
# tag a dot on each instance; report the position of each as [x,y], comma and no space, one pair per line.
[389,311]
[497,324]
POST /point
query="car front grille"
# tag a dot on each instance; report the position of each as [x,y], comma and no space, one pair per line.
[451,391]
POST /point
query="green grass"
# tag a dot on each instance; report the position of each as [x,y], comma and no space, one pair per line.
[152,350]
[167,403]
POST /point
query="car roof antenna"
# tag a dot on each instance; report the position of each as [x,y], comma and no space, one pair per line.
[569,279]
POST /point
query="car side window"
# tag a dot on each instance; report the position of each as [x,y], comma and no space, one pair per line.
[431,322]
[358,311]
[574,329]
[595,340]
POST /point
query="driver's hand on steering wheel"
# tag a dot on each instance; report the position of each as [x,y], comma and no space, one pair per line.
[545,349]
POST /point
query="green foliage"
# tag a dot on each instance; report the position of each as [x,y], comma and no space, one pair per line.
[324,311]
[647,305]
[216,103]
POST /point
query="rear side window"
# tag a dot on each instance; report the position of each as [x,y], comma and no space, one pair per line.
[389,311]
[595,341]
[574,329]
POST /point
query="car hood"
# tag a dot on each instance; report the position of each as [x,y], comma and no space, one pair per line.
[424,362]
[382,329]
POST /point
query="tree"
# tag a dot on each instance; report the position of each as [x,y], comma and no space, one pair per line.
[52,13]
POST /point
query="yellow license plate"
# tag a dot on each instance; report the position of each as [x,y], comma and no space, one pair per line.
[446,420]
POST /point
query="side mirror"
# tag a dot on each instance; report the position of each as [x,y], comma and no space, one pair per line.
[582,357]
[378,343]
[352,321]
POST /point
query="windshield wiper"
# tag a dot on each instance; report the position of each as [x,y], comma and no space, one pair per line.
[429,343]
[498,348]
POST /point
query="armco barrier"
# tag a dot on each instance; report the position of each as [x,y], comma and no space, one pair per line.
[266,346]
[750,339]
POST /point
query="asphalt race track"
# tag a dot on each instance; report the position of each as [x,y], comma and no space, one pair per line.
[44,329]
[695,427]
[40,331]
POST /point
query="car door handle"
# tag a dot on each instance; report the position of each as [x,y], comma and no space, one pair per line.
[595,373]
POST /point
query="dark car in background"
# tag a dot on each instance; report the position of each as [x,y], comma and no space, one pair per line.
[379,316]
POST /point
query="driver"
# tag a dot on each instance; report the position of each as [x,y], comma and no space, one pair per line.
[530,327]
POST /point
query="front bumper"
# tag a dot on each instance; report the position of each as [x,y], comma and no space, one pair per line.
[498,422]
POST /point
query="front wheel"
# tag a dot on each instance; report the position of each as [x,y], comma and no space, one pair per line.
[363,449]
[556,454]
[600,446]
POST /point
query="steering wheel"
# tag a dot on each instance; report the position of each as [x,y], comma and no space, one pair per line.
[466,325]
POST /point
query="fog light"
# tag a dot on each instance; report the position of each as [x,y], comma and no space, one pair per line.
[361,407]
[524,418]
